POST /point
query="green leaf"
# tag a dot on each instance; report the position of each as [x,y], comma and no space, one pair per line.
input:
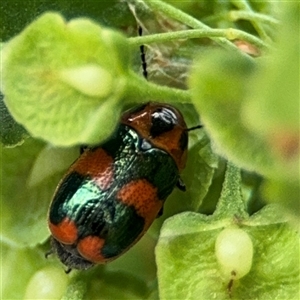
[31,174]
[271,109]
[61,80]
[18,266]
[49,162]
[188,267]
[116,285]
[286,193]
[113,13]
[251,109]
[76,290]
[11,133]
[202,162]
[219,84]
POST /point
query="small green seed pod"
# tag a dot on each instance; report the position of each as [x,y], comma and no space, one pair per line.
[47,283]
[234,252]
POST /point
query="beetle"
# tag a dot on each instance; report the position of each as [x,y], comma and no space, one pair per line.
[114,191]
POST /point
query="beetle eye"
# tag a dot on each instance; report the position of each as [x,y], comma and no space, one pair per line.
[162,120]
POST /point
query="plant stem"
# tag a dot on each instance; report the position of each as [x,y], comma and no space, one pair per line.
[140,89]
[181,16]
[231,202]
[235,15]
[230,34]
[244,5]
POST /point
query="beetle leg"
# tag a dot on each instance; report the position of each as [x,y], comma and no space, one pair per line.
[48,253]
[160,213]
[83,148]
[180,184]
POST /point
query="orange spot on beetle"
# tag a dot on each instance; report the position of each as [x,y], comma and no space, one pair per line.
[142,195]
[90,248]
[97,164]
[65,231]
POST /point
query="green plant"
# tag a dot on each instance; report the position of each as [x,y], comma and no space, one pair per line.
[65,83]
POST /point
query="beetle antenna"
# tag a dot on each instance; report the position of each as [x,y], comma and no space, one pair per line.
[195,127]
[143,56]
[48,253]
